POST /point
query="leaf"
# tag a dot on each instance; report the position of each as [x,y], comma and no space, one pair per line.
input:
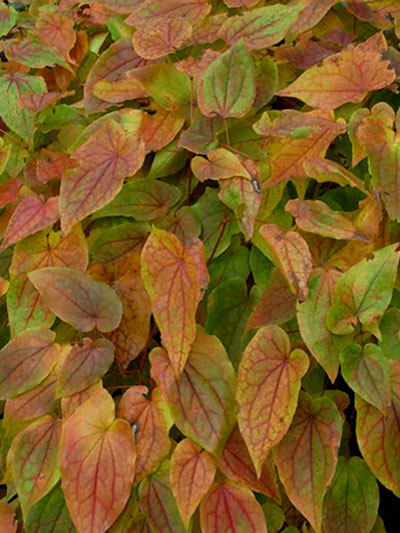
[84,364]
[30,216]
[12,86]
[240,196]
[201,400]
[33,53]
[351,503]
[8,523]
[229,507]
[311,14]
[120,90]
[364,292]
[312,315]
[117,241]
[104,161]
[328,86]
[221,164]
[366,371]
[8,17]
[150,11]
[291,255]
[158,504]
[260,28]
[26,361]
[34,457]
[56,31]
[236,464]
[323,170]
[174,276]
[316,217]
[191,475]
[227,87]
[160,128]
[306,458]
[269,379]
[38,101]
[97,451]
[142,199]
[169,35]
[78,299]
[378,435]
[70,404]
[50,514]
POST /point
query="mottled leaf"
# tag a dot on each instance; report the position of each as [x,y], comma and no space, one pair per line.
[56,31]
[38,101]
[240,195]
[117,241]
[34,53]
[221,164]
[169,35]
[8,17]
[159,128]
[150,10]
[8,522]
[50,514]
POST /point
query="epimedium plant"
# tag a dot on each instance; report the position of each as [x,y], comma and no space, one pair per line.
[200,304]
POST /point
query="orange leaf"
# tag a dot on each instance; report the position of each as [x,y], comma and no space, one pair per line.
[174,276]
[167,36]
[56,31]
[160,128]
[306,458]
[236,464]
[311,14]
[230,508]
[105,160]
[9,190]
[191,475]
[120,90]
[221,164]
[31,215]
[77,299]
[150,11]
[290,253]
[323,170]
[52,165]
[201,400]
[71,403]
[97,464]
[269,379]
[26,361]
[329,86]
[38,101]
[34,458]
[8,522]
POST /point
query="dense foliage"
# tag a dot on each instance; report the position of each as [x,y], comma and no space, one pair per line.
[200,308]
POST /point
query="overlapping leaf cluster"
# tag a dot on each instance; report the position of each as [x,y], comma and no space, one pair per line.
[200,307]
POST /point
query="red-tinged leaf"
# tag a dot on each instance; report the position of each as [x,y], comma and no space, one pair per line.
[32,404]
[119,6]
[105,160]
[307,456]
[77,299]
[84,365]
[121,90]
[150,426]
[8,17]
[328,86]
[323,170]
[231,508]
[169,35]
[158,504]
[52,165]
[221,164]
[149,11]
[30,216]
[236,464]
[269,379]
[351,503]
[208,30]
[50,514]
[9,191]
[56,31]
[160,128]
[34,459]
[316,217]
[300,137]
[191,475]
[366,371]
[97,464]
[8,522]
[240,3]
[311,316]
[305,53]
[71,403]
[311,14]
[260,28]
[379,13]
[290,253]
[174,275]
[33,53]
[227,87]
[240,195]
[118,58]
[38,101]
[201,400]
[363,293]
[378,435]
[277,304]
[26,361]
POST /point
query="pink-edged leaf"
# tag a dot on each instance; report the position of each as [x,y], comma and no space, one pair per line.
[104,161]
[269,379]
[30,216]
[97,464]
[78,299]
[169,35]
[26,361]
[231,508]
[9,190]
[174,275]
[201,400]
[52,165]
[306,458]
[38,101]
[148,11]
[236,464]
[191,475]
[84,365]
[378,435]
[158,503]
[34,459]
[8,521]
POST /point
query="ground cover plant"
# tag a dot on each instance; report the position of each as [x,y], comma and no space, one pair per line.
[200,306]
